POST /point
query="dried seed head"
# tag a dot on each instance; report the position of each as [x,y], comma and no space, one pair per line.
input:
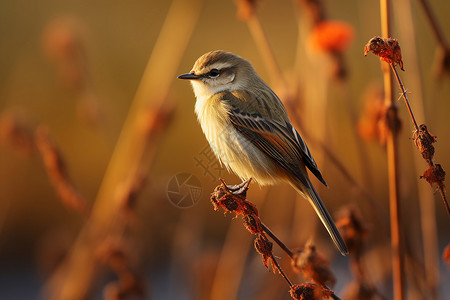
[264,247]
[434,174]
[308,291]
[313,266]
[253,224]
[372,123]
[353,230]
[424,142]
[387,49]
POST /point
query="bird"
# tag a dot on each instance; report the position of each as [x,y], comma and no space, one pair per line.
[249,131]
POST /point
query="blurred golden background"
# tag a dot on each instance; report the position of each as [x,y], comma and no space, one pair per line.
[70,71]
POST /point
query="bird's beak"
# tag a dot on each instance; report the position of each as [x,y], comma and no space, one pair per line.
[190,76]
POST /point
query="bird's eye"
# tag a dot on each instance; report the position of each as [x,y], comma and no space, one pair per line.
[213,73]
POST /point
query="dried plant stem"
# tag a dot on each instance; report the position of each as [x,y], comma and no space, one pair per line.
[392,157]
[427,209]
[279,269]
[278,241]
[404,95]
[75,278]
[262,42]
[234,252]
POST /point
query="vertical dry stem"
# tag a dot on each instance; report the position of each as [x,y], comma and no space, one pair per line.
[260,38]
[392,157]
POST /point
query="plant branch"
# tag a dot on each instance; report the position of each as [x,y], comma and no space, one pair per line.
[400,84]
[277,240]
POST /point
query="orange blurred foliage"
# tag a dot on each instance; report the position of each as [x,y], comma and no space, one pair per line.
[331,36]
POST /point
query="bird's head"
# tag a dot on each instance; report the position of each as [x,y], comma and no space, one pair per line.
[219,71]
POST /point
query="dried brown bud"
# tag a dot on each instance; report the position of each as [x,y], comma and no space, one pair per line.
[387,49]
[232,199]
[313,266]
[434,174]
[424,142]
[264,247]
[353,230]
[372,123]
[308,291]
[253,224]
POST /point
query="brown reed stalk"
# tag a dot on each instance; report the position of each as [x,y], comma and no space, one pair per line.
[75,278]
[247,12]
[392,160]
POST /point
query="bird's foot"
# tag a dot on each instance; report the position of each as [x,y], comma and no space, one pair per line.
[238,189]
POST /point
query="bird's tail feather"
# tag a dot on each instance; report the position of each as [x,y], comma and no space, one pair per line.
[319,207]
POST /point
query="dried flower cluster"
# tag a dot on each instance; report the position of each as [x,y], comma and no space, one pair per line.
[372,123]
[233,199]
[115,254]
[308,291]
[355,231]
[434,174]
[389,51]
[313,266]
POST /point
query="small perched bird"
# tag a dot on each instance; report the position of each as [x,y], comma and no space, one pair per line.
[249,130]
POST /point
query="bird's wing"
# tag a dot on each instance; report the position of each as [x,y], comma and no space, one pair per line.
[279,141]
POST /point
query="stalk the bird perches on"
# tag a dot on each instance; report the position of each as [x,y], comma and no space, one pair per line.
[249,130]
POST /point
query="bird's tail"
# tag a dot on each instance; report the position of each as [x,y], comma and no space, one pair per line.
[311,194]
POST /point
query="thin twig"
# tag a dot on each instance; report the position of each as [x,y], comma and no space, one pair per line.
[400,84]
[277,240]
[279,269]
[262,42]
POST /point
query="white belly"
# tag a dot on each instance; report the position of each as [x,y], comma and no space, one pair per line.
[230,147]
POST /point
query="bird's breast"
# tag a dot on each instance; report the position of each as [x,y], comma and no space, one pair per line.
[234,151]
